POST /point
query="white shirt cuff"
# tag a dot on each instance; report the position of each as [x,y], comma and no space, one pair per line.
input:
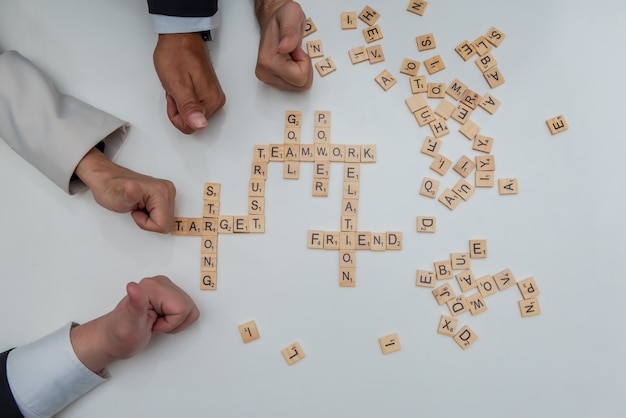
[176,24]
[45,376]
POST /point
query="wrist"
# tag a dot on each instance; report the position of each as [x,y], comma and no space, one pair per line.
[94,168]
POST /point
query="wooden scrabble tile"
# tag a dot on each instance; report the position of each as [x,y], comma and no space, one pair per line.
[309,27]
[557,124]
[508,186]
[494,77]
[291,170]
[436,90]
[320,187]
[476,303]
[375,54]
[211,191]
[417,7]
[458,305]
[495,36]
[372,34]
[463,189]
[225,224]
[440,165]
[486,285]
[315,239]
[478,248]
[306,153]
[347,258]
[249,332]
[461,113]
[350,207]
[394,240]
[315,48]
[425,278]
[363,240]
[444,108]
[322,152]
[358,54]
[337,153]
[351,189]
[464,166]
[321,135]
[386,80]
[465,50]
[179,226]
[443,293]
[209,244]
[489,103]
[418,84]
[429,187]
[293,353]
[529,307]
[470,99]
[256,224]
[325,66]
[465,337]
[443,269]
[456,89]
[331,240]
[321,169]
[486,62]
[466,280]
[431,146]
[293,118]
[447,325]
[208,280]
[449,199]
[426,224]
[416,102]
[260,153]
[368,15]
[256,205]
[258,170]
[240,225]
[349,223]
[379,241]
[470,129]
[209,226]
[434,65]
[482,46]
[410,67]
[348,20]
[484,179]
[485,162]
[351,171]
[290,136]
[482,143]
[504,279]
[389,343]
[347,277]
[425,42]
[368,153]
[528,288]
[424,116]
[460,261]
[347,240]
[439,128]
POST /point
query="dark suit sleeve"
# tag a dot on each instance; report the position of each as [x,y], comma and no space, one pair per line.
[8,407]
[183,8]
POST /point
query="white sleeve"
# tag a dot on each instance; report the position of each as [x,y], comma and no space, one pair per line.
[45,376]
[176,24]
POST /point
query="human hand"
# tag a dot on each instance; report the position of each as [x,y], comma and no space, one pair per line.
[149,200]
[154,305]
[192,89]
[281,61]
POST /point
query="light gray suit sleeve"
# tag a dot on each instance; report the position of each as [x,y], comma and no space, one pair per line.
[51,130]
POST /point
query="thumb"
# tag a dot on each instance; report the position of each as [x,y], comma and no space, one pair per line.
[137,303]
[190,109]
[290,35]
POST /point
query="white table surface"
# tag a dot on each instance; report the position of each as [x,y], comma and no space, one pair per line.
[64,258]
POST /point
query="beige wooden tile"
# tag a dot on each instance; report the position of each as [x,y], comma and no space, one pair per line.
[276,152]
[429,188]
[347,277]
[260,152]
[325,66]
[484,179]
[508,186]
[482,46]
[529,307]
[443,269]
[494,77]
[418,84]
[485,162]
[209,226]
[410,67]
[425,278]
[434,65]
[504,279]
[439,128]
[306,153]
[470,99]
[321,135]
[495,36]
[458,305]
[351,171]
[375,53]
[431,146]
[389,343]
[482,143]
[257,224]
[372,34]
[444,108]
[208,280]
[211,191]
[379,241]
[368,153]
[465,50]
[241,225]
[440,165]
[486,285]
[320,187]
[465,337]
[349,223]
[293,353]
[258,170]
[466,280]
[225,224]
[348,20]
[486,62]
[331,240]
[358,54]
[292,153]
[460,261]
[179,226]
[463,189]
[321,169]
[315,239]
[436,90]
[557,124]
[293,118]
[447,325]
[249,332]
[315,48]
[309,27]
[416,102]
[449,199]
[347,240]
[461,113]
[476,303]
[478,248]
[456,89]
[464,166]
[470,129]
[528,288]
[209,244]
[424,116]
[363,240]
[322,152]
[337,153]
[443,293]
[350,207]
[427,224]
[347,258]
[368,15]
[351,189]
[256,205]
[425,42]
[353,154]
[417,7]
[489,103]
[394,240]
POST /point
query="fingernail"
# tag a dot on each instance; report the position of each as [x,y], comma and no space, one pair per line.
[197,120]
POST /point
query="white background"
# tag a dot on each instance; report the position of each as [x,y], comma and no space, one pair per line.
[64,258]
